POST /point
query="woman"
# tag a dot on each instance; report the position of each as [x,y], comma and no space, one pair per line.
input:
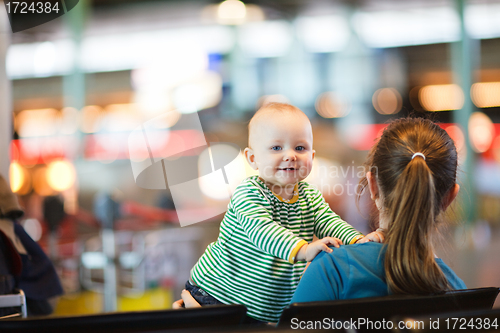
[412,179]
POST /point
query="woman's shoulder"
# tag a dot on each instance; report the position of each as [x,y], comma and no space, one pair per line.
[344,273]
[367,255]
[368,252]
[451,276]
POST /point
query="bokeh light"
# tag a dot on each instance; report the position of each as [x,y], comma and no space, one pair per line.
[441,97]
[363,136]
[210,14]
[152,102]
[33,123]
[496,149]
[266,39]
[137,146]
[332,105]
[167,119]
[201,93]
[176,79]
[44,59]
[30,150]
[120,117]
[481,132]
[210,185]
[19,177]
[50,148]
[61,175]
[405,26]
[387,101]
[173,139]
[40,182]
[324,175]
[323,33]
[16,177]
[90,118]
[457,135]
[485,94]
[107,147]
[231,12]
[170,67]
[14,151]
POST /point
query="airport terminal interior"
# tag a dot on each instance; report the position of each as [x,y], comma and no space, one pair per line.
[123,123]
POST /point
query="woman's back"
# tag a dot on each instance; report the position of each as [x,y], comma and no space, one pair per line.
[353,271]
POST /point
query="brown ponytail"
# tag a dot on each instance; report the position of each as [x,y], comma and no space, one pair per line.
[412,191]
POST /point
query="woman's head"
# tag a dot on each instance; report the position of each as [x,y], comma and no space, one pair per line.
[410,191]
[392,159]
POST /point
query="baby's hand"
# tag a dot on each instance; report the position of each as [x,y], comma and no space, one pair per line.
[312,249]
[377,236]
[186,301]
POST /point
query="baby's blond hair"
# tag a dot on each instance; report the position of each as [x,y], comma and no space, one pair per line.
[272,110]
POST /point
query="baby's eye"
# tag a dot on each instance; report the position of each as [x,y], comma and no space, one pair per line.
[300,148]
[276,148]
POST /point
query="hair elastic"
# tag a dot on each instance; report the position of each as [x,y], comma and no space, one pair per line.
[418,154]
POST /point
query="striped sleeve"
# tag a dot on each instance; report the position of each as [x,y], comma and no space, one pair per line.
[253,212]
[327,223]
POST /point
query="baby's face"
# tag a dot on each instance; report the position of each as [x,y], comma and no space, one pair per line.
[281,149]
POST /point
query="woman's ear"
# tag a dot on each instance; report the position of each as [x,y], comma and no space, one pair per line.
[314,153]
[450,196]
[372,185]
[250,157]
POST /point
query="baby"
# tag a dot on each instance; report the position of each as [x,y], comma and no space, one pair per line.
[266,235]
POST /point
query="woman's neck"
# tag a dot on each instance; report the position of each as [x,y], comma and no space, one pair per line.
[383,221]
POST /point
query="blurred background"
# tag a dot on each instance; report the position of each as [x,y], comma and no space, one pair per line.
[189,74]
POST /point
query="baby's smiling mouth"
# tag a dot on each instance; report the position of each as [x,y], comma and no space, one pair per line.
[286,169]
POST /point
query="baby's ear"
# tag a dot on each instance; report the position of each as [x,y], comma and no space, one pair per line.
[250,157]
[314,153]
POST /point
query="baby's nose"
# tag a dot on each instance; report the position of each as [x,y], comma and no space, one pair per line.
[289,157]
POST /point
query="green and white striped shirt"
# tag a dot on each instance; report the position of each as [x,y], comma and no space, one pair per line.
[251,262]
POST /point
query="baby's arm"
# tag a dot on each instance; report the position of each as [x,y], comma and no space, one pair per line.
[329,224]
[252,211]
[309,251]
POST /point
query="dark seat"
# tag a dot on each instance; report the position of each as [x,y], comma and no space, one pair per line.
[11,301]
[384,308]
[482,320]
[210,317]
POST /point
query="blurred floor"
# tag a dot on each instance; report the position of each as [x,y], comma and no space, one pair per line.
[88,302]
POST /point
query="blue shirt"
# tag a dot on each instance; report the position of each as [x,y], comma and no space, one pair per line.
[352,271]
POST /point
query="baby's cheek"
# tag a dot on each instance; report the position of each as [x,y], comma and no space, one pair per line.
[309,164]
[305,170]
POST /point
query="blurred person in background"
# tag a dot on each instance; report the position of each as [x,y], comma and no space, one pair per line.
[23,264]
